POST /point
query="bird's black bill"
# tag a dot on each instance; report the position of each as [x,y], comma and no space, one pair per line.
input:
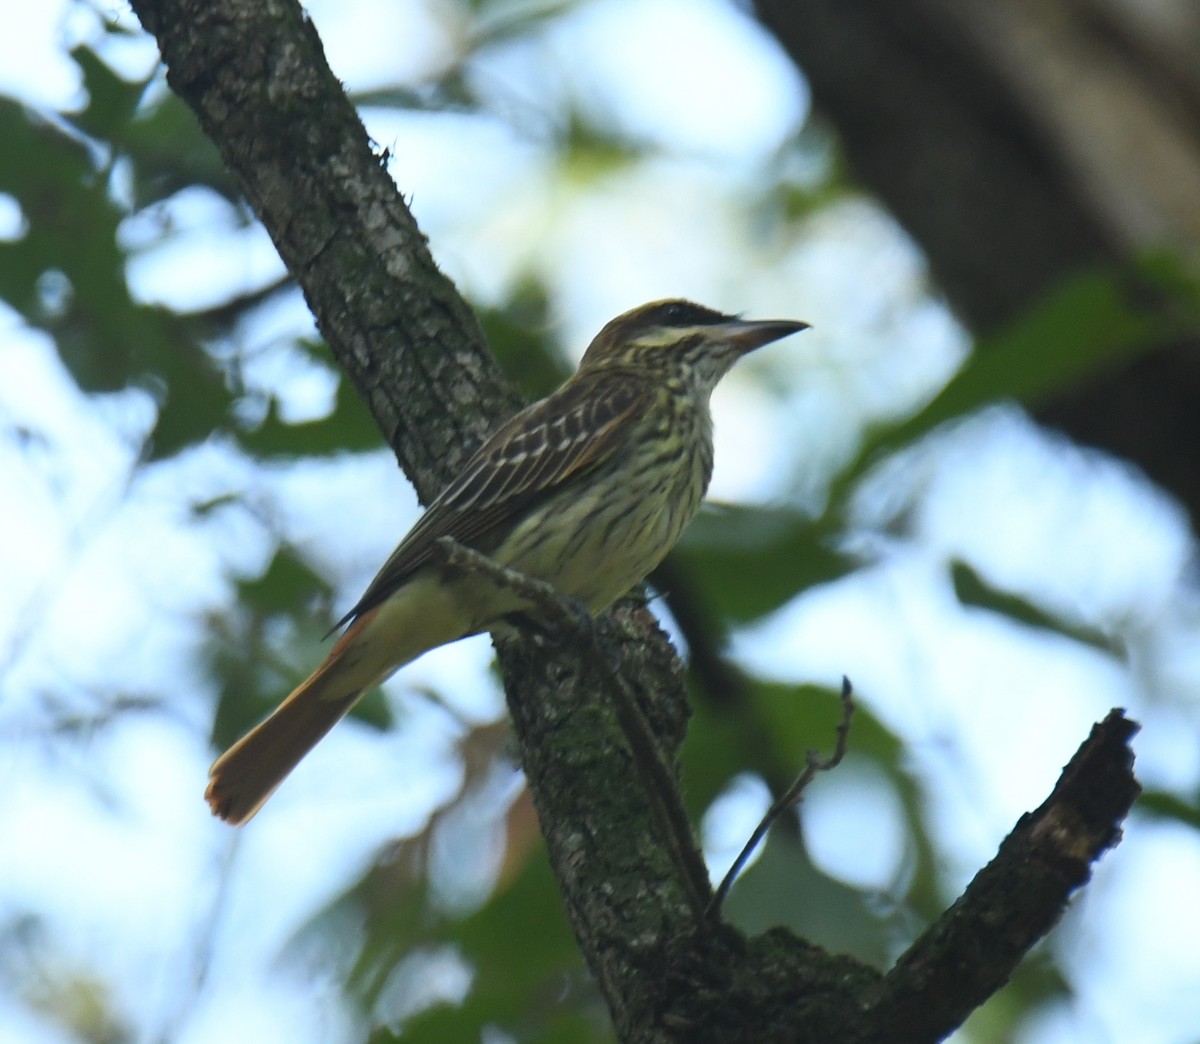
[749,334]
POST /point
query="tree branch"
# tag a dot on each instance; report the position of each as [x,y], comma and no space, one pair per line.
[1018,897]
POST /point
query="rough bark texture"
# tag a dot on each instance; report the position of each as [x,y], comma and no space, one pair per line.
[1020,142]
[1017,897]
[256,77]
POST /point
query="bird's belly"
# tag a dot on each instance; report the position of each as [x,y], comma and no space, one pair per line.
[600,544]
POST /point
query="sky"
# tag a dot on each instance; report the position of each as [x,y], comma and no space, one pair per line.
[108,580]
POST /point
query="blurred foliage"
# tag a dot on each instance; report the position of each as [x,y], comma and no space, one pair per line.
[519,335]
[973,590]
[772,552]
[77,178]
[346,427]
[1080,329]
[529,977]
[250,649]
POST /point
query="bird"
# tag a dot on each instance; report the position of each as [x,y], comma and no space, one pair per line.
[586,490]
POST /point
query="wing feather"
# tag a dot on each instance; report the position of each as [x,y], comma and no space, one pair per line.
[542,448]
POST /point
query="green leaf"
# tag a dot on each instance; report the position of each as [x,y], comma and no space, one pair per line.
[111,100]
[519,336]
[784,889]
[50,174]
[747,561]
[1037,983]
[254,671]
[769,730]
[348,427]
[1091,322]
[105,339]
[170,153]
[193,399]
[763,728]
[972,590]
[287,582]
[1168,806]
[545,995]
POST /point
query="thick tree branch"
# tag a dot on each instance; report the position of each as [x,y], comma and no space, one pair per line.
[1018,897]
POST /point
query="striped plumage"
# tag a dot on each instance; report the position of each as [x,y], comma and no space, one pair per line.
[587,489]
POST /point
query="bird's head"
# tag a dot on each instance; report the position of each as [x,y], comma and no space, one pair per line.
[676,338]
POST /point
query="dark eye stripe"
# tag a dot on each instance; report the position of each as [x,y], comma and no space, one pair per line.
[682,313]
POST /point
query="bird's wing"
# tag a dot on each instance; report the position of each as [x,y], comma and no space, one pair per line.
[543,447]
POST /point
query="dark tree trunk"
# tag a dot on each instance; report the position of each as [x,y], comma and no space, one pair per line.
[1021,142]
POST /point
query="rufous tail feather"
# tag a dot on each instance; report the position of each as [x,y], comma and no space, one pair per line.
[247,774]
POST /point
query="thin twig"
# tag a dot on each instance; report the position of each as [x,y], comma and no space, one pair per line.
[790,797]
[570,615]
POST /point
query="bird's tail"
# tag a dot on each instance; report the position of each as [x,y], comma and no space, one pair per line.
[247,774]
[426,613]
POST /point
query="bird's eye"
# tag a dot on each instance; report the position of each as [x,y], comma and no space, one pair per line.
[685,313]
